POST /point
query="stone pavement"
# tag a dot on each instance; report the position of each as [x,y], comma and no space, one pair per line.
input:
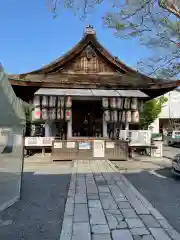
[103,205]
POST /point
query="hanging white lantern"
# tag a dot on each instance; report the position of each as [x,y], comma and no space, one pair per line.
[62,101]
[69,102]
[53,113]
[44,114]
[44,101]
[135,116]
[134,103]
[113,102]
[115,116]
[58,114]
[59,102]
[62,114]
[68,114]
[105,102]
[52,101]
[120,103]
[37,113]
[36,101]
[127,103]
[107,116]
[128,116]
[123,116]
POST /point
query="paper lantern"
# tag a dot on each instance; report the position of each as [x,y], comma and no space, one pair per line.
[126,103]
[135,116]
[120,103]
[134,103]
[62,101]
[59,102]
[62,114]
[36,101]
[105,102]
[53,114]
[128,116]
[58,114]
[113,102]
[37,113]
[44,101]
[115,116]
[107,116]
[52,101]
[44,114]
[123,116]
[69,102]
[68,114]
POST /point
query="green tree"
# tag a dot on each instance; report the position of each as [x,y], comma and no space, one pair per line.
[151,111]
[28,114]
[155,28]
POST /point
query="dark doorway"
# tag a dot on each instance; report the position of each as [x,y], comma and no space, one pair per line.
[87,118]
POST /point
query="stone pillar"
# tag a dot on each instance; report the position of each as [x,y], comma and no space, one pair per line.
[104,125]
[69,128]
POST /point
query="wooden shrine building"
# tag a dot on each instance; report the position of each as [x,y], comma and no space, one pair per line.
[87,92]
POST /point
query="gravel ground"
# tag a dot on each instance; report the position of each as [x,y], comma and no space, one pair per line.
[162,190]
[39,214]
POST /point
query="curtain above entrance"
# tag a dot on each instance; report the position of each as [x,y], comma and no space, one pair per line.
[91,92]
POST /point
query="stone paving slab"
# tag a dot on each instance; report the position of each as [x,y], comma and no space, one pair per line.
[103,205]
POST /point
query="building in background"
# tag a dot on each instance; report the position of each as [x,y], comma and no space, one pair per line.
[169,118]
[86,93]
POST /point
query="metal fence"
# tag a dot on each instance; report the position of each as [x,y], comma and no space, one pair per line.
[89,149]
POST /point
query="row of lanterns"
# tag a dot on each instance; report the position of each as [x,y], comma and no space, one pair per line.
[52,101]
[121,116]
[122,103]
[52,108]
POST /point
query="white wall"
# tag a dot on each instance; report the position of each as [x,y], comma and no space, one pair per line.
[171,108]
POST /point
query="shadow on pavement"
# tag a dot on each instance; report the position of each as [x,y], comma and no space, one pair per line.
[40,213]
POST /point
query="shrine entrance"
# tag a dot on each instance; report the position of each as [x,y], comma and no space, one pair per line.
[87,118]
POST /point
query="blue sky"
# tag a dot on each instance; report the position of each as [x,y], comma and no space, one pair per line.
[31,38]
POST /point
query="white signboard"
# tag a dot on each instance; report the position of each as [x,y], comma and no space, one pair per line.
[38,141]
[70,144]
[84,145]
[58,145]
[98,149]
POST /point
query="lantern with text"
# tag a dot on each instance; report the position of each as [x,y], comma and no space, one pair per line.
[107,116]
[120,103]
[134,103]
[68,114]
[37,113]
[69,102]
[105,102]
[113,102]
[36,101]
[135,116]
[44,101]
[44,114]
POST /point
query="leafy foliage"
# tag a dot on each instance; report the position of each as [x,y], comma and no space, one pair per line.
[27,110]
[151,111]
[156,28]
